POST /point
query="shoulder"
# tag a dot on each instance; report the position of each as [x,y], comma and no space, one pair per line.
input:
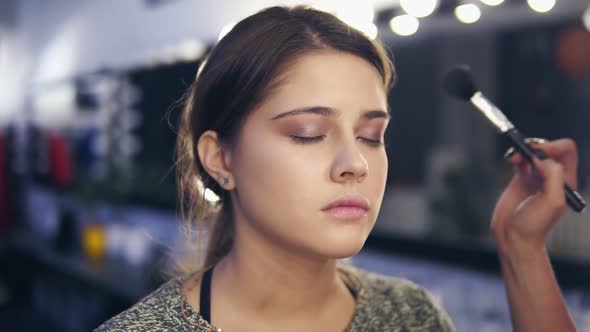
[155,312]
[392,289]
[401,302]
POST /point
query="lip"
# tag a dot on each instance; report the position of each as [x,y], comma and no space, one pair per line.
[357,201]
[348,207]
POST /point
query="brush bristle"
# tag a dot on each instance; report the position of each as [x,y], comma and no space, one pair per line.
[459,83]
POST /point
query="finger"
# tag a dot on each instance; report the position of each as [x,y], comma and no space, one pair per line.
[515,158]
[559,148]
[529,177]
[563,151]
[520,165]
[513,195]
[509,200]
[518,188]
[552,174]
[535,140]
[511,152]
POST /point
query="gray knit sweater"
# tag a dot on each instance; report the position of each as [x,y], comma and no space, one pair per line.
[384,304]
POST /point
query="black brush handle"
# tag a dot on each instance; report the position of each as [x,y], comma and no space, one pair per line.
[573,198]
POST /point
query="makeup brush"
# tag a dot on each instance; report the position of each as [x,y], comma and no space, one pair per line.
[459,83]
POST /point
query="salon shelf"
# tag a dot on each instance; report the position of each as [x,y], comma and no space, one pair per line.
[124,282]
[570,272]
[129,283]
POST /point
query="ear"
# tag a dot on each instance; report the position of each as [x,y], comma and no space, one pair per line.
[216,159]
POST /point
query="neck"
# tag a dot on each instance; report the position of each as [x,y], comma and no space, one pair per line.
[274,281]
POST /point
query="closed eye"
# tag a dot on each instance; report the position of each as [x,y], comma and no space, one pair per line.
[305,140]
[314,139]
[371,142]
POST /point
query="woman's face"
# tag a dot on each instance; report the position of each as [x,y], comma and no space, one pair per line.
[288,166]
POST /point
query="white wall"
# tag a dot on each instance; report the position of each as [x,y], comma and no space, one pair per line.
[70,37]
[73,36]
[55,39]
[14,62]
[77,36]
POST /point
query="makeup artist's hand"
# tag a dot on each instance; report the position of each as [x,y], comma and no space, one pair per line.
[534,200]
[531,204]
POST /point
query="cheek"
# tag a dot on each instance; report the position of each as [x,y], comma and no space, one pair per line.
[378,164]
[385,171]
[378,168]
[273,176]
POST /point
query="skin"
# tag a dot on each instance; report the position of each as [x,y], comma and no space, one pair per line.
[277,271]
[529,207]
[281,274]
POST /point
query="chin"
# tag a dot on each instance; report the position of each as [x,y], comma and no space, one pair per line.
[342,254]
[341,246]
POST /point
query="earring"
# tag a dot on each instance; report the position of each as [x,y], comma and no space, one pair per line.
[224,180]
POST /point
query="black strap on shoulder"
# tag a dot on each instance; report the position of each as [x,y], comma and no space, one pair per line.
[205,296]
[352,291]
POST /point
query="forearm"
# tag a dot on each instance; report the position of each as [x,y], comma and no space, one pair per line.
[536,303]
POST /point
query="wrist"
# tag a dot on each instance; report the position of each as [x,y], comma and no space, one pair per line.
[516,248]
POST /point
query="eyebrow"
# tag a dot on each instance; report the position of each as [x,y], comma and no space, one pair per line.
[328,112]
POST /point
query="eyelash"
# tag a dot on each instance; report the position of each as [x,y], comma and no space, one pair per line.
[307,140]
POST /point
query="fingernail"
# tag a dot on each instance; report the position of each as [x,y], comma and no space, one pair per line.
[535,140]
[509,153]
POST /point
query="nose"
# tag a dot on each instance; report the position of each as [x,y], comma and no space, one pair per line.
[349,165]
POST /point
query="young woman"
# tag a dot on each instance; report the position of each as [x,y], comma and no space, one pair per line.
[285,123]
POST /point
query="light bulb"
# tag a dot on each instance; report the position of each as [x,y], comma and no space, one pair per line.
[419,8]
[492,2]
[468,13]
[404,25]
[541,6]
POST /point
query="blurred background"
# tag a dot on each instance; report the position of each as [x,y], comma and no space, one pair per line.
[89,96]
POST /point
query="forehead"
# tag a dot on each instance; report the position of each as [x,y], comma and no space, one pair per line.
[329,78]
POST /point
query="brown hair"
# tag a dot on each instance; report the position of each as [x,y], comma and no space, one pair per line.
[240,71]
